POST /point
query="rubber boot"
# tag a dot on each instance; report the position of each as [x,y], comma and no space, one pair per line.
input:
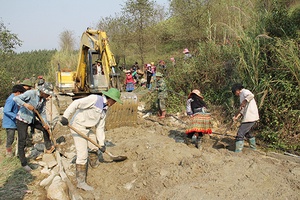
[198,142]
[163,115]
[252,143]
[81,171]
[9,152]
[239,146]
[93,159]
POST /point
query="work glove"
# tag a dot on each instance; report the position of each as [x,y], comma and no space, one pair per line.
[64,121]
[102,149]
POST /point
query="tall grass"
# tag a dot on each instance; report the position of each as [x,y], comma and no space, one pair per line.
[268,66]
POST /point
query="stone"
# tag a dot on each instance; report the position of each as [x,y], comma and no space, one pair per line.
[58,190]
[50,160]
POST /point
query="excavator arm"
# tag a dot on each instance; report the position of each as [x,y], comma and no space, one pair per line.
[94,46]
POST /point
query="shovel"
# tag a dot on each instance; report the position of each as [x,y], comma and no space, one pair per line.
[43,123]
[224,134]
[113,157]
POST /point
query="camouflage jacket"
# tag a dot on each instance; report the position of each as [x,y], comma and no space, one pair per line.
[162,89]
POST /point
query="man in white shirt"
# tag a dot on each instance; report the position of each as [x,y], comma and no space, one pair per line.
[249,113]
[89,112]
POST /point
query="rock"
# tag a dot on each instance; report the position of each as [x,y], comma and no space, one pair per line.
[70,154]
[50,160]
[58,190]
[47,181]
[60,140]
[39,147]
[37,137]
[43,164]
[45,170]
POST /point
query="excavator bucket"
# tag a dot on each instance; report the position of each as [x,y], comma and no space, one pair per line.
[123,114]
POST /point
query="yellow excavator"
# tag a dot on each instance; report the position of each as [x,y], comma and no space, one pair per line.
[96,72]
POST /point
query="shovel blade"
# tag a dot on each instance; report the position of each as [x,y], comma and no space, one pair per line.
[119,158]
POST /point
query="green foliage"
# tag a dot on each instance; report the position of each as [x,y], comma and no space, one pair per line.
[8,40]
[280,24]
[15,68]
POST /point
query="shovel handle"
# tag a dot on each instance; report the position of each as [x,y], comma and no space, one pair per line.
[44,124]
[84,136]
[89,139]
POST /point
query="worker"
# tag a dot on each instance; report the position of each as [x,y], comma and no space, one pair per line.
[200,120]
[149,74]
[27,84]
[99,67]
[89,112]
[40,81]
[161,96]
[187,54]
[10,111]
[28,101]
[33,80]
[249,112]
[129,81]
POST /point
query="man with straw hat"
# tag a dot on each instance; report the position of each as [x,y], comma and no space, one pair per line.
[28,102]
[27,84]
[89,112]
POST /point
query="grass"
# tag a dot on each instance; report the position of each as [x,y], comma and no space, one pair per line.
[13,178]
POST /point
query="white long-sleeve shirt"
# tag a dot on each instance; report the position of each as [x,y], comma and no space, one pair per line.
[89,111]
[250,112]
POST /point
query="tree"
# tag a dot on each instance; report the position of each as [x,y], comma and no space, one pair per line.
[8,40]
[67,41]
[139,16]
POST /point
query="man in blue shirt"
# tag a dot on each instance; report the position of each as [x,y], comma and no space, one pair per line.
[28,101]
[9,117]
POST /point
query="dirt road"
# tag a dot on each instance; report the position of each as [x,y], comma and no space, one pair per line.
[160,166]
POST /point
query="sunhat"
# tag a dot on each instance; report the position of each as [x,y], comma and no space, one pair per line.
[196,92]
[27,82]
[46,88]
[185,50]
[114,94]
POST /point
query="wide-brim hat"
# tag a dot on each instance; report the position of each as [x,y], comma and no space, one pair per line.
[27,82]
[196,92]
[186,51]
[114,94]
[46,88]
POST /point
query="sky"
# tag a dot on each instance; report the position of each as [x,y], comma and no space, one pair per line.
[38,23]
